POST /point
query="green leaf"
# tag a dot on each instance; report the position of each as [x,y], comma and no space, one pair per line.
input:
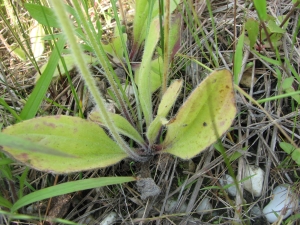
[281,18]
[287,83]
[252,27]
[46,16]
[11,111]
[173,6]
[164,107]
[174,35]
[287,87]
[142,10]
[296,1]
[274,28]
[19,52]
[155,74]
[11,141]
[42,14]
[203,118]
[267,59]
[5,161]
[144,80]
[123,126]
[238,58]
[68,187]
[89,145]
[261,8]
[290,149]
[40,89]
[140,18]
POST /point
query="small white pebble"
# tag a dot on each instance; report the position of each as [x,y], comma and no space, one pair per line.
[204,207]
[140,213]
[225,180]
[283,203]
[30,209]
[171,204]
[256,211]
[109,219]
[255,183]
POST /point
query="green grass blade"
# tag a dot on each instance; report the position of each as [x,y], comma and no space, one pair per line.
[286,95]
[34,101]
[5,203]
[5,161]
[22,180]
[267,59]
[7,107]
[69,187]
[14,216]
[238,58]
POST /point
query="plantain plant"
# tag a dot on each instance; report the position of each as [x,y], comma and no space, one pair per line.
[65,144]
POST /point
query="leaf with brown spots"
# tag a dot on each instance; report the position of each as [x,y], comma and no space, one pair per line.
[86,143]
[203,118]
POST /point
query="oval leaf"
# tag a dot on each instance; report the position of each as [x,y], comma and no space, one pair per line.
[252,26]
[42,14]
[290,149]
[87,142]
[203,118]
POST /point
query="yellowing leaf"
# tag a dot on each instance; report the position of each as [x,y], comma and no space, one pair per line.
[164,107]
[203,118]
[85,141]
[18,52]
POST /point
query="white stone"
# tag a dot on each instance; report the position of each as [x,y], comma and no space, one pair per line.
[254,184]
[226,180]
[204,207]
[171,204]
[109,219]
[284,202]
[140,213]
[128,89]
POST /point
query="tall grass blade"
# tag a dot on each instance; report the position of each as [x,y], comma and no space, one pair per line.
[35,99]
[238,58]
[69,187]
